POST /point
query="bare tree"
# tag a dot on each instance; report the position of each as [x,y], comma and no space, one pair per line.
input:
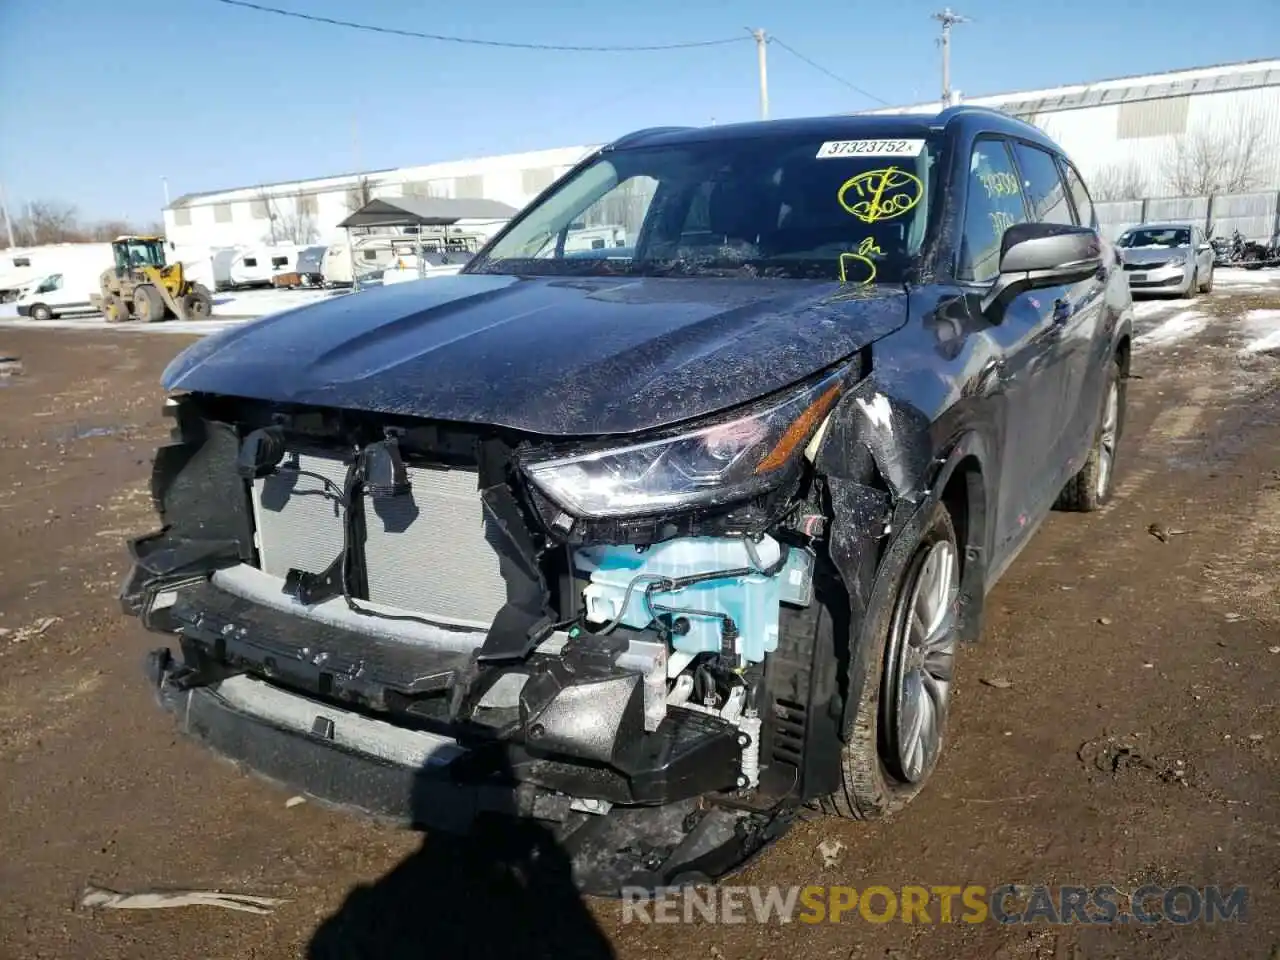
[297,223]
[1206,162]
[1119,181]
[359,194]
[108,230]
[48,221]
[265,206]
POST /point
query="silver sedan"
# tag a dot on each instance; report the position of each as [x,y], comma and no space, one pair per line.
[1167,258]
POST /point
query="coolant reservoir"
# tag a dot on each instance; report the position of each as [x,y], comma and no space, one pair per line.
[751,600]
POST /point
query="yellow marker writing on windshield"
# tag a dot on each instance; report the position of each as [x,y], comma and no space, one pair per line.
[881,194]
[854,264]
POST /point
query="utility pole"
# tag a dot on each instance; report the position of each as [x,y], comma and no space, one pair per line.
[948,20]
[8,220]
[761,42]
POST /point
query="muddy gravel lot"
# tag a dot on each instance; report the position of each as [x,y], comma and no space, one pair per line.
[1117,723]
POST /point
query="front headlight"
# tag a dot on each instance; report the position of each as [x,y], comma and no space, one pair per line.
[725,461]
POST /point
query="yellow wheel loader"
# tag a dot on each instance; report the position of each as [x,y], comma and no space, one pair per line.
[142,285]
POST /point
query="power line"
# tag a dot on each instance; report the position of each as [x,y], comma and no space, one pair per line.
[417,35]
[821,69]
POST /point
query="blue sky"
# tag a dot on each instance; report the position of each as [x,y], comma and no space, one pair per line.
[213,96]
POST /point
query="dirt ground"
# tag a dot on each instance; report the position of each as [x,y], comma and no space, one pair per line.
[1117,723]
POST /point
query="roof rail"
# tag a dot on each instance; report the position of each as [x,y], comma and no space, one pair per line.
[973,110]
[969,109]
[628,138]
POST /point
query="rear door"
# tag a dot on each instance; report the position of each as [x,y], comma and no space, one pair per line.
[1079,315]
[1029,388]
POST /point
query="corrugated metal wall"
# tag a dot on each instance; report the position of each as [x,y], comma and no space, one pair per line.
[1255,215]
[1142,136]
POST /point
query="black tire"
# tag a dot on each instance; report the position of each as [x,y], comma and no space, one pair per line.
[148,304]
[41,311]
[1192,288]
[1207,287]
[198,303]
[116,309]
[1084,492]
[873,783]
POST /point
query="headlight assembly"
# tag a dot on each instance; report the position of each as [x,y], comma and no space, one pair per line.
[718,463]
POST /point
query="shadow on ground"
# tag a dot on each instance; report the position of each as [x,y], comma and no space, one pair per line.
[506,890]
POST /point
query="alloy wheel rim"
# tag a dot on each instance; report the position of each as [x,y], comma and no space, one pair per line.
[922,652]
[1107,440]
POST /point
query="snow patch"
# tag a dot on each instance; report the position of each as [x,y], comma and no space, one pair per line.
[230,309]
[1239,277]
[1178,327]
[1264,327]
[1150,308]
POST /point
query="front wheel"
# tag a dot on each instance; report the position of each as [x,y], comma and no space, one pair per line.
[1207,286]
[41,311]
[900,726]
[148,304]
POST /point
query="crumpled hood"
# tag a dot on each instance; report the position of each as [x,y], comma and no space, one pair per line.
[551,356]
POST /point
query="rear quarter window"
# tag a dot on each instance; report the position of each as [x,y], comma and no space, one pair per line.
[1043,185]
[1080,196]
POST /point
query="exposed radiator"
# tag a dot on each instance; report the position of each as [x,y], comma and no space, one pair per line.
[426,552]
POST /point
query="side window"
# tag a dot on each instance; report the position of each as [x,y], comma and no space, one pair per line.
[994,205]
[250,261]
[1042,185]
[1080,196]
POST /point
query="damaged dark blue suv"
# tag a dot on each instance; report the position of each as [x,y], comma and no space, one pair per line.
[658,542]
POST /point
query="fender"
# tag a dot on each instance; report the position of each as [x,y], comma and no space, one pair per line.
[869,623]
[874,532]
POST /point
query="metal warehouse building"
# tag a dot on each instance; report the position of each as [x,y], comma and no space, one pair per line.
[1213,130]
[309,211]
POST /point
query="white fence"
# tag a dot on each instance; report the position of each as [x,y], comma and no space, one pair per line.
[1255,215]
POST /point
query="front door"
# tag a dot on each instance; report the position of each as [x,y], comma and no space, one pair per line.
[1031,377]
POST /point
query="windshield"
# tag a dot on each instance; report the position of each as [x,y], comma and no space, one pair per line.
[1162,237]
[796,208]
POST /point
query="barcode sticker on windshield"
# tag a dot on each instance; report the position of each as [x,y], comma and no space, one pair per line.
[870,148]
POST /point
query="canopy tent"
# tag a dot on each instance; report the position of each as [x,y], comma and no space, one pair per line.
[425,212]
[420,212]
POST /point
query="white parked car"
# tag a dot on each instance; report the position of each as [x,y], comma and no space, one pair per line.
[1167,258]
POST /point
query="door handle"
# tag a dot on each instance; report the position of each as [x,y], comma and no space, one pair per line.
[1062,311]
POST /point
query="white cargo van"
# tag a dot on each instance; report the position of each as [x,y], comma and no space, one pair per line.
[59,293]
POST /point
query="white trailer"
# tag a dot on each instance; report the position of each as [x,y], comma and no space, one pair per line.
[26,266]
[363,256]
[256,266]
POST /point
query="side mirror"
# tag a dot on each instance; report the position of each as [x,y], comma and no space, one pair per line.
[1203,247]
[1035,255]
